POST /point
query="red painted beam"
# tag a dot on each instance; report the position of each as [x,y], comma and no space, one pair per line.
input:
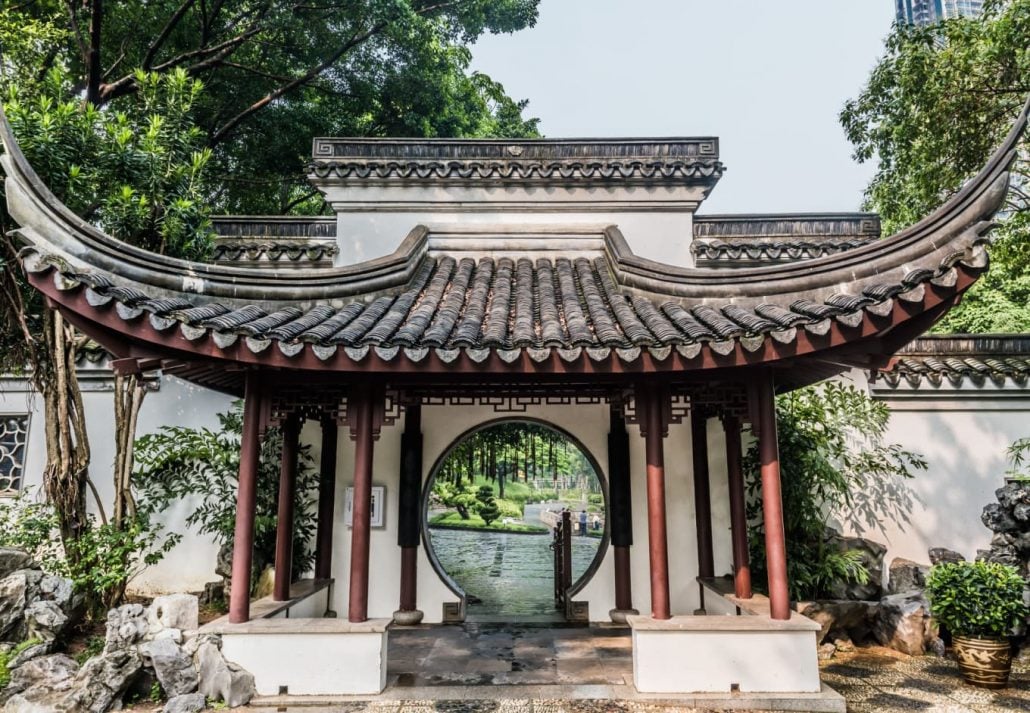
[246,503]
[772,501]
[284,521]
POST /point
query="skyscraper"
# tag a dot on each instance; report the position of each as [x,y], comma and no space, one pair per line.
[927,12]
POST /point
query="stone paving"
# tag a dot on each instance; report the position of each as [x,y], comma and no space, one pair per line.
[525,669]
[507,573]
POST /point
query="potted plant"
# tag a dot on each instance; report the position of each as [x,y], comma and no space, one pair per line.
[979,603]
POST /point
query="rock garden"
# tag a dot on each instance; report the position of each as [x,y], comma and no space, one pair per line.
[152,651]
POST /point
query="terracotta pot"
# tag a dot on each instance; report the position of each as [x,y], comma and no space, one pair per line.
[983,662]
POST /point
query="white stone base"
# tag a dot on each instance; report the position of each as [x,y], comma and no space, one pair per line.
[713,654]
[308,657]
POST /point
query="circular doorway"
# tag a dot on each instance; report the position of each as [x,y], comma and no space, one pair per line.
[489,510]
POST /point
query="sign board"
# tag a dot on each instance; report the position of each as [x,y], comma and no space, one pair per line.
[378,506]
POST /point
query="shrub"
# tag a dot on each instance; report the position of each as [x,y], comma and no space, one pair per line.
[595,499]
[201,464]
[978,599]
[510,509]
[106,557]
[487,509]
[834,464]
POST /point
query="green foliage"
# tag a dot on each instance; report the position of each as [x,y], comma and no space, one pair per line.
[201,465]
[595,499]
[156,692]
[935,107]
[487,508]
[138,172]
[8,656]
[461,497]
[453,521]
[1019,457]
[105,558]
[509,508]
[834,464]
[979,599]
[94,647]
[280,73]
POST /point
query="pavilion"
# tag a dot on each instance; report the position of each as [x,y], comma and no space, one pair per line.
[534,274]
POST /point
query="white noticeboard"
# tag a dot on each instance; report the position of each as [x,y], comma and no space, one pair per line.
[378,506]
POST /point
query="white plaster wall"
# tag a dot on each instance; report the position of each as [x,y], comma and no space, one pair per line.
[177,403]
[664,236]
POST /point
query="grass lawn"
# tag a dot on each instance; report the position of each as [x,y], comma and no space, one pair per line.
[453,521]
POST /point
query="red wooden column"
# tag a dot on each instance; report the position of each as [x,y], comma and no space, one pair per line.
[284,521]
[772,502]
[246,501]
[651,410]
[361,413]
[738,515]
[409,526]
[326,500]
[702,496]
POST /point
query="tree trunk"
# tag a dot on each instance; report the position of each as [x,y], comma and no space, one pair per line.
[66,473]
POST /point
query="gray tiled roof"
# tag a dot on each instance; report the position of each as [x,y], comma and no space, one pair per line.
[960,360]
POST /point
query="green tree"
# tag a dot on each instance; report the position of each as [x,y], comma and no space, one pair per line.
[934,108]
[202,465]
[138,170]
[835,466]
[487,506]
[279,72]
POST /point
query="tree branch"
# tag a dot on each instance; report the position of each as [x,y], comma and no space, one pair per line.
[159,41]
[93,71]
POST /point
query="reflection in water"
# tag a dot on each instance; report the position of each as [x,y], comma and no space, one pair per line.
[507,573]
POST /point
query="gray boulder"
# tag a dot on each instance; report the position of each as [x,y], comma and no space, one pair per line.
[174,611]
[126,626]
[58,590]
[841,617]
[103,680]
[45,620]
[25,655]
[938,555]
[221,680]
[904,623]
[187,703]
[173,667]
[872,554]
[906,576]
[997,518]
[47,677]
[11,560]
[13,598]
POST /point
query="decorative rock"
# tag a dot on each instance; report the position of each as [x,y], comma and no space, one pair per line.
[904,623]
[826,651]
[265,583]
[44,620]
[188,703]
[40,684]
[174,611]
[194,642]
[844,646]
[58,590]
[173,634]
[103,679]
[174,668]
[943,554]
[11,560]
[853,618]
[997,518]
[936,647]
[13,594]
[872,558]
[213,592]
[25,655]
[126,626]
[222,681]
[906,576]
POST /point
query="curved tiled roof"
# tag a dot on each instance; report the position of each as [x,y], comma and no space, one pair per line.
[592,307]
[960,360]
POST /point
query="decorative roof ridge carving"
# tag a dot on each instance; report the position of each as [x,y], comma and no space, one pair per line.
[515,150]
[952,233]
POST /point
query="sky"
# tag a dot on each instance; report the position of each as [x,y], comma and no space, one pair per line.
[768,77]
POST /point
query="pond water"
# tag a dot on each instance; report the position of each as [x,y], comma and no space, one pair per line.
[507,573]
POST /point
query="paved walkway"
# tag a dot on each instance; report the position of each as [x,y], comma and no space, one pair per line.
[514,669]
